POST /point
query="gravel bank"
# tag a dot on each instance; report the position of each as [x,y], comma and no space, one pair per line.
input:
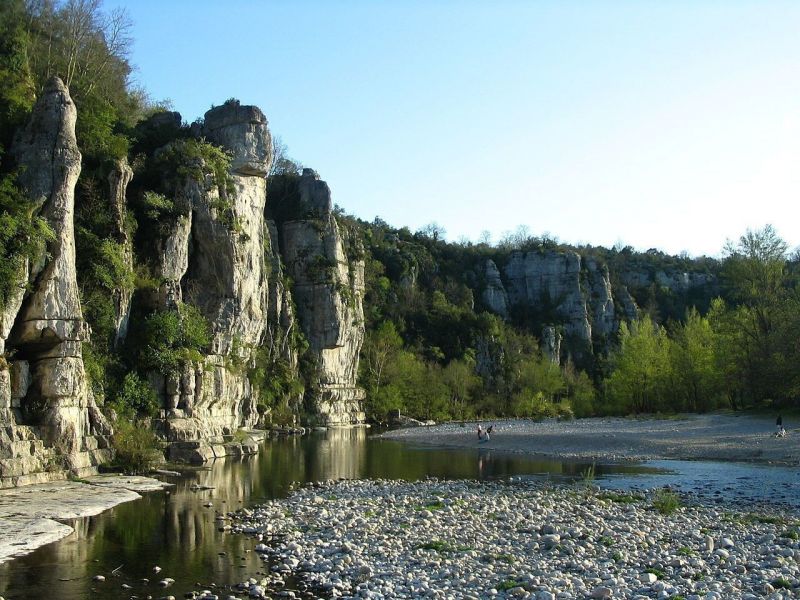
[692,437]
[519,539]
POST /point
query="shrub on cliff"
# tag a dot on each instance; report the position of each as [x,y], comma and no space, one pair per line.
[171,337]
[137,396]
[23,236]
[136,447]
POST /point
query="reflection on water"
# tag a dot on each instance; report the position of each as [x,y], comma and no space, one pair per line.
[178,532]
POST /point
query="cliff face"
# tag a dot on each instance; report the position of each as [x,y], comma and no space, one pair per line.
[218,263]
[328,290]
[579,294]
[52,420]
[551,282]
[230,263]
[494,295]
[118,179]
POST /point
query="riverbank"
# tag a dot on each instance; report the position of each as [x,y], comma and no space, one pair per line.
[32,516]
[519,539]
[719,437]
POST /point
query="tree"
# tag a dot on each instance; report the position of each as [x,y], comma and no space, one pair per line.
[755,273]
[754,268]
[81,44]
[696,380]
[281,163]
[432,231]
[88,49]
[580,391]
[639,380]
[16,82]
[461,381]
[380,347]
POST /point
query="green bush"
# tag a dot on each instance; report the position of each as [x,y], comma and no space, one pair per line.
[172,337]
[23,236]
[275,382]
[136,447]
[136,397]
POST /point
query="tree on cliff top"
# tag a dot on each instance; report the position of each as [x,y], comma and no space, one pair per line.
[16,82]
[88,49]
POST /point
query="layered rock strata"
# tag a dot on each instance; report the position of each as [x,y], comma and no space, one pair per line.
[51,424]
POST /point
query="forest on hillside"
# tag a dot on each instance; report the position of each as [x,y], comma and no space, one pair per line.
[433,348]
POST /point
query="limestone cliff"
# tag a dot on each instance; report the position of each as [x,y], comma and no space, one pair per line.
[51,420]
[494,294]
[328,290]
[221,254]
[559,288]
[215,256]
[550,282]
[118,179]
[588,298]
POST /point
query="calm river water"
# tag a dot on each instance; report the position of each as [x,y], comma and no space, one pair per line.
[176,530]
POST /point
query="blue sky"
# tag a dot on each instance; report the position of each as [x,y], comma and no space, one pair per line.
[667,124]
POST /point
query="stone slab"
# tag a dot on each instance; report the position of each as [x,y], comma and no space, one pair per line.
[30,515]
[22,535]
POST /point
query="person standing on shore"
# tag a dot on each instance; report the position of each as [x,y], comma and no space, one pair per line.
[779,425]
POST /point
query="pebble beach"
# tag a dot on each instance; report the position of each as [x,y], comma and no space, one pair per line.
[525,539]
[516,539]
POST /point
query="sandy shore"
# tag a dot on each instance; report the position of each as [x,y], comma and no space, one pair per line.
[32,516]
[723,437]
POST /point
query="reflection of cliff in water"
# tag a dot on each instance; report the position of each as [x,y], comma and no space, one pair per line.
[173,530]
[341,454]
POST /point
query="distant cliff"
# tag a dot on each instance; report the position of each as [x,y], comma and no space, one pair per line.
[582,299]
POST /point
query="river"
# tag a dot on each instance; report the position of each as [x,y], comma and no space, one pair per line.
[177,530]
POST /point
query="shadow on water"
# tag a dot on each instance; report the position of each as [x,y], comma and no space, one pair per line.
[178,531]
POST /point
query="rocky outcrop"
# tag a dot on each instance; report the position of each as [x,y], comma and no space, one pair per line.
[551,344]
[600,301]
[678,282]
[219,263]
[51,420]
[118,179]
[328,291]
[559,287]
[223,256]
[627,305]
[281,321]
[494,293]
[584,298]
[244,132]
[550,282]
